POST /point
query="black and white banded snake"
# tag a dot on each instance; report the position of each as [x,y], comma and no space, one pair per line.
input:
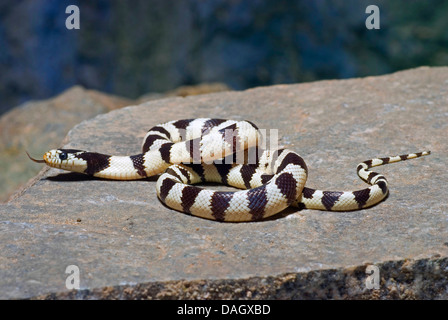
[191,151]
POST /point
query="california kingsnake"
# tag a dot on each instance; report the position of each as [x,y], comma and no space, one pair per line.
[193,151]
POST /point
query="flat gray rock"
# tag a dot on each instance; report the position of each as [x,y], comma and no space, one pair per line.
[127,245]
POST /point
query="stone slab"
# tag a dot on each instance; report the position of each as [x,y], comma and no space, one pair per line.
[127,245]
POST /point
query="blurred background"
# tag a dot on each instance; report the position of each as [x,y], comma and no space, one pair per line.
[127,52]
[132,48]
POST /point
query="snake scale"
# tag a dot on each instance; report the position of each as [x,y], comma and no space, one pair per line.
[190,151]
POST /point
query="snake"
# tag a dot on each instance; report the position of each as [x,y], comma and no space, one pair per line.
[187,152]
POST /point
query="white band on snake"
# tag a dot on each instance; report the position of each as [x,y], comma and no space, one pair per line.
[190,151]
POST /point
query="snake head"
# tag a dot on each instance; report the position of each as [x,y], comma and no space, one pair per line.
[60,158]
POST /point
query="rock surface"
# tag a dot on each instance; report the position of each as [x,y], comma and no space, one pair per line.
[127,245]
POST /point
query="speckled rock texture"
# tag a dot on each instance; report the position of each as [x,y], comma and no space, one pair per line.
[127,245]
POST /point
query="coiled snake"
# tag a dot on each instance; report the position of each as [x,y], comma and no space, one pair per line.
[191,151]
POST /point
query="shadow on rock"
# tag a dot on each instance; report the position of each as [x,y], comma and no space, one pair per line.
[76,176]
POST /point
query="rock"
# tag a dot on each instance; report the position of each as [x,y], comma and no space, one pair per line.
[127,245]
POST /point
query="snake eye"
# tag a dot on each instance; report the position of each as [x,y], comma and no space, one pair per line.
[63,156]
